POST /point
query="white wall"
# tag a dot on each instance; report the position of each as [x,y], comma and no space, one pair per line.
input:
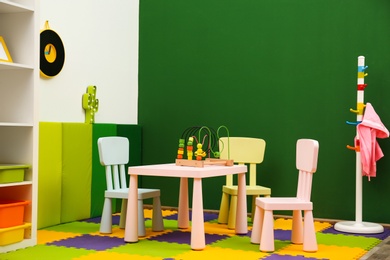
[101,48]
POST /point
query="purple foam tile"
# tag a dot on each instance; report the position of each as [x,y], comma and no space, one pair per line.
[380,236]
[207,216]
[92,220]
[171,217]
[180,237]
[279,234]
[290,257]
[283,235]
[98,243]
[115,220]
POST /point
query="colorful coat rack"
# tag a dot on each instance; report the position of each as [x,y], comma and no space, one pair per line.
[358,226]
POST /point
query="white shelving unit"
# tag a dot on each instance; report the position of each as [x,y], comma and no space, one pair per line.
[18,107]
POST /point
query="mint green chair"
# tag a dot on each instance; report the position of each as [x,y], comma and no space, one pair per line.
[114,155]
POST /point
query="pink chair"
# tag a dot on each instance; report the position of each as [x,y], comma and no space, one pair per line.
[302,231]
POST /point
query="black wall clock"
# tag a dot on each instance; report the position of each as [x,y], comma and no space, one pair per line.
[52,53]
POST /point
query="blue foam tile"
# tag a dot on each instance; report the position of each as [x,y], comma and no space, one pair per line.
[98,243]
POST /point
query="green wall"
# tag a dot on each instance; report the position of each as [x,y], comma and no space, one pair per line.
[275,69]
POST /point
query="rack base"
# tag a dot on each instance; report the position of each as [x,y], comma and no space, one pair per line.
[358,227]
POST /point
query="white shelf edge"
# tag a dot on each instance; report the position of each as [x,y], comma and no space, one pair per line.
[11,184]
[12,7]
[16,124]
[13,65]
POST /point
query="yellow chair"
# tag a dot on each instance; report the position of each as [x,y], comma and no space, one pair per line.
[243,150]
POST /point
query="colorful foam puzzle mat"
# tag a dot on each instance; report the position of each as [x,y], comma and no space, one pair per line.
[81,240]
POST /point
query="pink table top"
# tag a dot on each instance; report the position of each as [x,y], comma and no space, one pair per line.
[173,170]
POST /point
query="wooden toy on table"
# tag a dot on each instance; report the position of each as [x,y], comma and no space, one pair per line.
[206,148]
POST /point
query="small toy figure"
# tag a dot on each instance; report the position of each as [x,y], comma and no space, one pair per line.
[190,148]
[199,152]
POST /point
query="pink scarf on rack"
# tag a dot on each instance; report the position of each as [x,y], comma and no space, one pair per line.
[368,130]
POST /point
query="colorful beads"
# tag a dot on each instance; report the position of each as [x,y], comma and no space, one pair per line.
[180,150]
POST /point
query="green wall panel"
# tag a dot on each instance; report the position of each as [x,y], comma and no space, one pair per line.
[76,171]
[134,134]
[50,174]
[275,69]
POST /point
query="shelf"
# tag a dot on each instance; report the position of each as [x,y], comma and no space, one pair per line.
[16,124]
[12,7]
[13,66]
[22,183]
[18,121]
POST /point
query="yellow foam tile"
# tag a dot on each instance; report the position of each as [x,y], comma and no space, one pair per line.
[116,232]
[216,253]
[148,213]
[218,229]
[120,233]
[324,251]
[286,224]
[47,236]
[102,255]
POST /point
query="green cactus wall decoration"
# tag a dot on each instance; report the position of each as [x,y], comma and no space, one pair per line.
[90,104]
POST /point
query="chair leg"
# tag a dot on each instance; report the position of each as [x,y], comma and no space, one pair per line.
[267,243]
[141,219]
[224,209]
[257,225]
[106,220]
[309,236]
[297,228]
[157,219]
[253,211]
[232,213]
[122,219]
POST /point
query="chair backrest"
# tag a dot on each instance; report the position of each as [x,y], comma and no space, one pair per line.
[243,150]
[114,155]
[306,163]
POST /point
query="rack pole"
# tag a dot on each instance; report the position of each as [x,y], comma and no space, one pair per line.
[358,226]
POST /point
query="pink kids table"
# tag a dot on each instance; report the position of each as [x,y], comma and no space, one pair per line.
[185,172]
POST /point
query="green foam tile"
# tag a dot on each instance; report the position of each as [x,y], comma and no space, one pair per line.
[45,252]
[362,242]
[244,243]
[76,227]
[152,248]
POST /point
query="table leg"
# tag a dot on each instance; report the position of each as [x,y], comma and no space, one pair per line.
[241,216]
[183,219]
[131,229]
[197,230]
